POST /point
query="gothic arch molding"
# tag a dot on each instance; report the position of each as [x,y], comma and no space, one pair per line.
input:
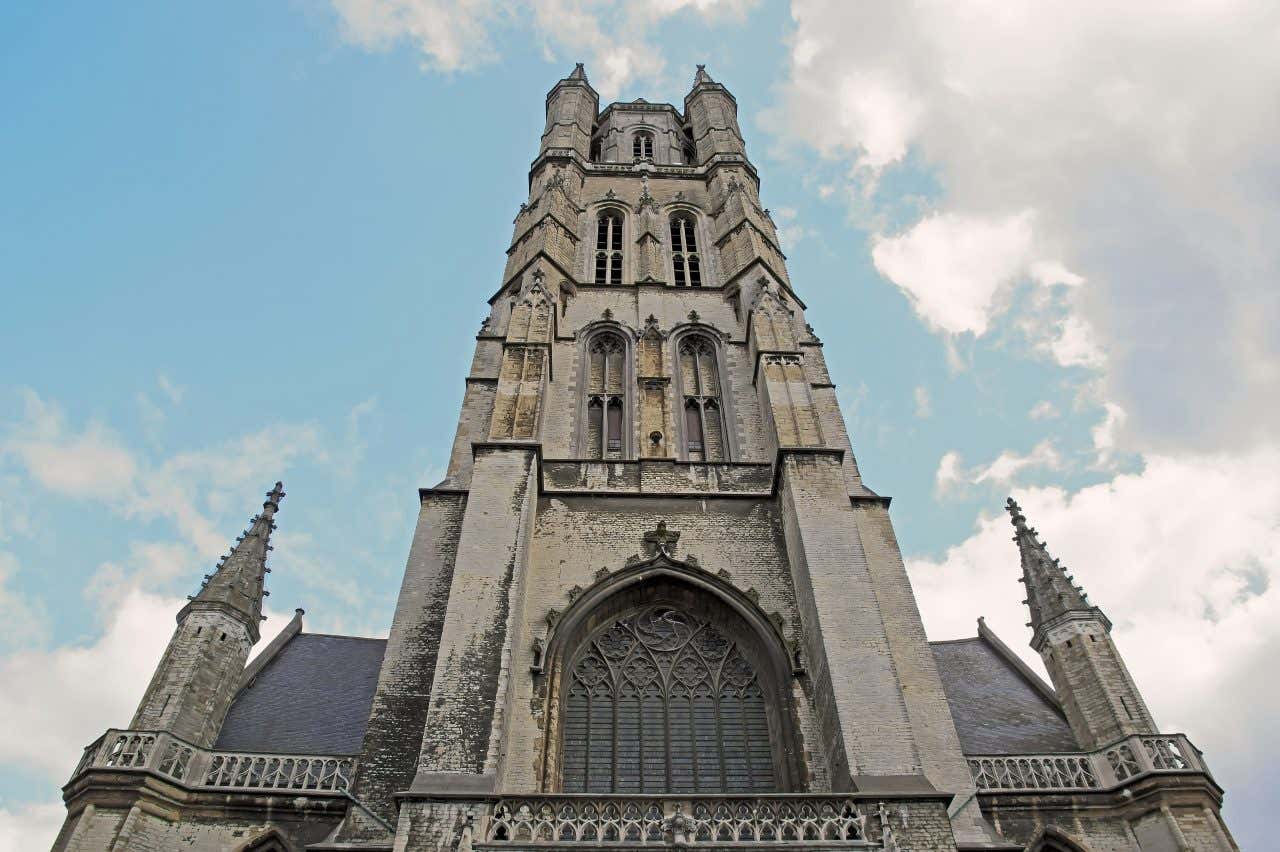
[658,582]
[270,840]
[1051,839]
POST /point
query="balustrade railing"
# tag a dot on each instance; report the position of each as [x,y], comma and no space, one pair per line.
[677,820]
[1103,769]
[176,759]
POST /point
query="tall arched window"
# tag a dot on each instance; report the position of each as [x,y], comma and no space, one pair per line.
[642,145]
[609,248]
[606,397]
[662,700]
[703,408]
[685,262]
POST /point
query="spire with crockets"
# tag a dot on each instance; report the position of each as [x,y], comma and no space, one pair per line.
[236,586]
[1051,591]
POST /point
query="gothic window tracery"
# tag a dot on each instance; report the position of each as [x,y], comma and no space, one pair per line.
[685,261]
[606,397]
[703,408]
[642,145]
[609,248]
[661,700]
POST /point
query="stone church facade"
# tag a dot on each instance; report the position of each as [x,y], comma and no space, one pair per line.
[653,603]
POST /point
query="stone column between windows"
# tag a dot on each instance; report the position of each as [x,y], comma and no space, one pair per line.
[487,578]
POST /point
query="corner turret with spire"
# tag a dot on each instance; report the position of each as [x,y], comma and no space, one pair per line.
[1073,637]
[198,675]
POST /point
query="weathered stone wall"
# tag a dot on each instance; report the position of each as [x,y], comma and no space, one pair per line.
[398,716]
[197,678]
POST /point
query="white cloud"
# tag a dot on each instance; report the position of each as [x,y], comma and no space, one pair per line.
[1009,464]
[92,463]
[952,477]
[1105,433]
[25,619]
[949,475]
[924,406]
[614,37]
[1184,557]
[954,268]
[71,694]
[1142,137]
[1043,410]
[88,464]
[31,826]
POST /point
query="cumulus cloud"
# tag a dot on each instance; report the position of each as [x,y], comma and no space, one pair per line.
[952,476]
[616,38]
[1124,151]
[1184,557]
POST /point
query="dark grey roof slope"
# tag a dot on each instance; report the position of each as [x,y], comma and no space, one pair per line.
[312,698]
[997,711]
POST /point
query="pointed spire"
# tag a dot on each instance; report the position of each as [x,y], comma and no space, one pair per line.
[237,584]
[578,73]
[1050,590]
[701,76]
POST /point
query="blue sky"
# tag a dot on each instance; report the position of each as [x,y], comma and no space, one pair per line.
[249,241]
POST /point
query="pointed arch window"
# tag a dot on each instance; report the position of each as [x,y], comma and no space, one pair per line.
[662,700]
[704,429]
[685,261]
[642,145]
[606,397]
[609,248]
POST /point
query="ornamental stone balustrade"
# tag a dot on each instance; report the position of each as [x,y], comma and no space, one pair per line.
[174,759]
[1105,769]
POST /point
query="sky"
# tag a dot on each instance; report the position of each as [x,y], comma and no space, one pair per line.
[252,241]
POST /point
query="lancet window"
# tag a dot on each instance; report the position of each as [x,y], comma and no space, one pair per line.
[685,261]
[609,248]
[606,397]
[704,429]
[662,700]
[642,145]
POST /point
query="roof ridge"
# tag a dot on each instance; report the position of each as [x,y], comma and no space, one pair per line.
[345,636]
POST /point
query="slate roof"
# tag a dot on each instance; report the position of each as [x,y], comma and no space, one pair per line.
[313,697]
[997,710]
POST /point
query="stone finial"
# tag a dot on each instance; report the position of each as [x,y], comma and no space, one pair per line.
[701,76]
[579,72]
[694,317]
[661,541]
[607,314]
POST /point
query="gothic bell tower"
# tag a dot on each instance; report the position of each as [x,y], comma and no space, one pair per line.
[653,565]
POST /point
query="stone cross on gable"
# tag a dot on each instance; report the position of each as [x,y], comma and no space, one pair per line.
[661,540]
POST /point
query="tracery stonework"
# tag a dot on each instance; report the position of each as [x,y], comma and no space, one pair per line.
[652,602]
[661,701]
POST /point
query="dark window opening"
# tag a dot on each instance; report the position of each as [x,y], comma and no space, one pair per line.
[685,262]
[704,431]
[609,249]
[642,145]
[606,397]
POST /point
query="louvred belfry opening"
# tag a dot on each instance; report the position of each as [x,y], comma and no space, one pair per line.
[661,700]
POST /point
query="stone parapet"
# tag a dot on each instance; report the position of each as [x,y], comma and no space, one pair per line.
[1104,769]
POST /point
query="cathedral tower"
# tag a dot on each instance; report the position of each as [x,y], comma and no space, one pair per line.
[652,602]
